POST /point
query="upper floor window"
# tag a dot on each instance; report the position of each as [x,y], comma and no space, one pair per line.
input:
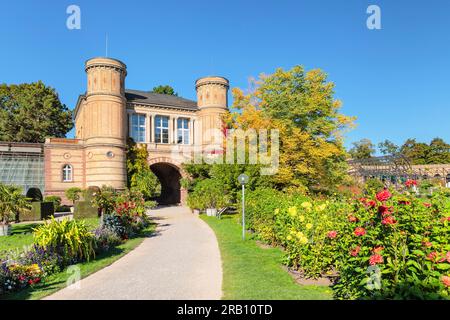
[137,131]
[67,173]
[183,131]
[161,129]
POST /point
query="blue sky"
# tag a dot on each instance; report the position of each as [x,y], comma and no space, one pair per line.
[395,80]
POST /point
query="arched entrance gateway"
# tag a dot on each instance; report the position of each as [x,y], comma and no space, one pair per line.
[169,175]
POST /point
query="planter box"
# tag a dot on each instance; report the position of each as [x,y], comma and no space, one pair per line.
[211,212]
[5,230]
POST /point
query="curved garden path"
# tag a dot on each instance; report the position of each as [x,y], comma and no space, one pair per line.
[182,261]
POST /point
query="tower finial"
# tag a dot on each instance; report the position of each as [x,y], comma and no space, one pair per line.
[106,46]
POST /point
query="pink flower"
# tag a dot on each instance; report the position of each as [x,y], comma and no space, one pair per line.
[354,252]
[332,234]
[427,244]
[359,231]
[446,281]
[427,204]
[353,219]
[372,203]
[384,195]
[389,220]
[375,259]
[410,183]
[432,256]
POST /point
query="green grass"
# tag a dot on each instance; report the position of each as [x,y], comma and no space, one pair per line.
[253,273]
[21,237]
[58,281]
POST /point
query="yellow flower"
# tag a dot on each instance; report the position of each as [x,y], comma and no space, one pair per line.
[289,238]
[306,205]
[300,235]
[301,218]
[292,211]
[303,240]
[277,211]
[322,207]
[309,226]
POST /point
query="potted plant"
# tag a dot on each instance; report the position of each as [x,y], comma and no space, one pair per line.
[73,194]
[12,203]
[212,195]
[194,202]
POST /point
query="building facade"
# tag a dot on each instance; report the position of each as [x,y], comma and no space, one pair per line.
[108,113]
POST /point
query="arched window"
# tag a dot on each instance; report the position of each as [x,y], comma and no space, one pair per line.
[67,173]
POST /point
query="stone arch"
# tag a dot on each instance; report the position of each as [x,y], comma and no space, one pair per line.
[169,174]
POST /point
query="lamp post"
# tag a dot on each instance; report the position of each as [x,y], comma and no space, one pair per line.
[243,180]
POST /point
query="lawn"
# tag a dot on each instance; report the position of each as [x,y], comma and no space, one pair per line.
[58,281]
[20,238]
[253,273]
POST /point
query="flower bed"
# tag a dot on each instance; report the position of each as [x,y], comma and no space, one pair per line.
[385,246]
[58,244]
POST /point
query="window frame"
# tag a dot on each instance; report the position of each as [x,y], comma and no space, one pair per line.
[160,129]
[69,172]
[183,131]
[141,129]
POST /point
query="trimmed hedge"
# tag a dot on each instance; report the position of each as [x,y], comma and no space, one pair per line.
[85,209]
[39,211]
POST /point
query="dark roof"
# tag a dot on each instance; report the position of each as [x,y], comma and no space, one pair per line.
[152,98]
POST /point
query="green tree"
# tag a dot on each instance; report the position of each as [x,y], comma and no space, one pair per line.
[140,176]
[301,105]
[12,203]
[362,149]
[388,147]
[416,152]
[73,194]
[165,90]
[31,112]
[439,152]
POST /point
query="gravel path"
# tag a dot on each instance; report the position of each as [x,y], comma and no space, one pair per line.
[182,261]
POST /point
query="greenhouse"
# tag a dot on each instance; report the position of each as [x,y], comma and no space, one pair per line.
[22,164]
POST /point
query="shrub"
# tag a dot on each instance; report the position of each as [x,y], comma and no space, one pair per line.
[38,211]
[105,239]
[397,247]
[84,209]
[73,194]
[116,224]
[69,238]
[150,204]
[212,192]
[12,203]
[105,199]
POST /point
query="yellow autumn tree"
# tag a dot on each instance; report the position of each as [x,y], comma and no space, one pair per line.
[301,105]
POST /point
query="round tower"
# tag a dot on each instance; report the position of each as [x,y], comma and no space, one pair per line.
[212,100]
[105,123]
